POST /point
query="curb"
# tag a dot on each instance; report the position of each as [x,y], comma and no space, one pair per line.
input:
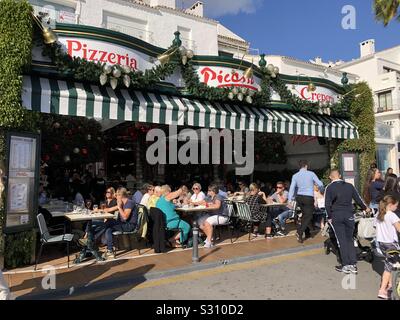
[124,281]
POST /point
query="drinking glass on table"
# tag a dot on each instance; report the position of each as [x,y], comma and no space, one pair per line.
[88,205]
[95,207]
[103,206]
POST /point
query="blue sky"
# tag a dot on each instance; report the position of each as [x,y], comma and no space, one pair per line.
[303,28]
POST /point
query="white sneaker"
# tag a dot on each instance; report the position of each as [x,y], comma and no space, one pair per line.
[208,245]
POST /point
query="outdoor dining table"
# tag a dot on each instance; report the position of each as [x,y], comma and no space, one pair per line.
[195,211]
[89,218]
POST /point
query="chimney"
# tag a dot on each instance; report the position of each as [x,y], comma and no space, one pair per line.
[197,9]
[367,47]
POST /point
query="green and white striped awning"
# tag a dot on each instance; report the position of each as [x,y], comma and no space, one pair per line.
[231,116]
[83,99]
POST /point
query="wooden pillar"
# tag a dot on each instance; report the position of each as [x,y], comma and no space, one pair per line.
[216,177]
[161,174]
[139,168]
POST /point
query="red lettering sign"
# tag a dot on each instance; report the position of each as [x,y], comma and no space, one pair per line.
[314,96]
[81,49]
[302,139]
[225,79]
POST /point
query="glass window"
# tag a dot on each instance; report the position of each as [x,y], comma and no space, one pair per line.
[383,157]
[385,100]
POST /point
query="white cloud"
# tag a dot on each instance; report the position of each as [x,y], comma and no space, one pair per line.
[218,8]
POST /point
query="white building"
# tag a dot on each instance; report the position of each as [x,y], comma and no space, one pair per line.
[153,21]
[381,70]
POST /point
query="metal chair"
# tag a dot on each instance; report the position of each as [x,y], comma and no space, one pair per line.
[294,216]
[46,238]
[231,214]
[244,215]
[140,230]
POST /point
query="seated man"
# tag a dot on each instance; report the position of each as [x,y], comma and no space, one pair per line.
[279,196]
[280,220]
[126,221]
[219,216]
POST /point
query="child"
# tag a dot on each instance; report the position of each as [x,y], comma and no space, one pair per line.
[319,205]
[387,225]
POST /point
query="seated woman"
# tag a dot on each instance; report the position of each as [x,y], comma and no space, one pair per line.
[198,195]
[109,206]
[126,221]
[219,215]
[184,198]
[149,192]
[254,200]
[172,219]
[243,189]
[151,203]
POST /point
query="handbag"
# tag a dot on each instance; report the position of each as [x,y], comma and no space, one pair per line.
[366,228]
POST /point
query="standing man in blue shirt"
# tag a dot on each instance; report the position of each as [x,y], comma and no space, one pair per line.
[303,187]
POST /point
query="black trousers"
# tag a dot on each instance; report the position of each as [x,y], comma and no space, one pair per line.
[306,205]
[158,229]
[343,225]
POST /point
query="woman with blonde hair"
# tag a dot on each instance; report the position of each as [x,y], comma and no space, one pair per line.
[172,219]
[387,226]
[198,195]
[254,200]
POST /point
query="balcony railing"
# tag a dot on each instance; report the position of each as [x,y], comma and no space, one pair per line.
[131,31]
[189,44]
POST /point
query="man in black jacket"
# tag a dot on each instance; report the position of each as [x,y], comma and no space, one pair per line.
[339,196]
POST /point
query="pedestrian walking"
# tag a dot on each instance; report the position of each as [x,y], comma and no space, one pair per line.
[302,188]
[339,196]
[4,291]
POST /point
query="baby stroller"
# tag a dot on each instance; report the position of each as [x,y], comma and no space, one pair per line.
[364,246]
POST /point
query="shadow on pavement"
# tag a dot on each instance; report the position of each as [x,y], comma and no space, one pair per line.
[86,283]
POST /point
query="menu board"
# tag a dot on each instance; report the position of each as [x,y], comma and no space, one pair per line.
[21,154]
[22,180]
[18,195]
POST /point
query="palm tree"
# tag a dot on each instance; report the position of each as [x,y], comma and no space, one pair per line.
[386,10]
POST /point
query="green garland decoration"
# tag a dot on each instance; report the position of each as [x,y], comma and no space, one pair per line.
[83,70]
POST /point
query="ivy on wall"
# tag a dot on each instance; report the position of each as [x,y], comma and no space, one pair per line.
[362,115]
[15,55]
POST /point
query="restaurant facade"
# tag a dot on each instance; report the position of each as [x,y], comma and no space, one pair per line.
[114,78]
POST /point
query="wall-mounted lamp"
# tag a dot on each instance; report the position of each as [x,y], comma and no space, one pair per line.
[166,56]
[49,36]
